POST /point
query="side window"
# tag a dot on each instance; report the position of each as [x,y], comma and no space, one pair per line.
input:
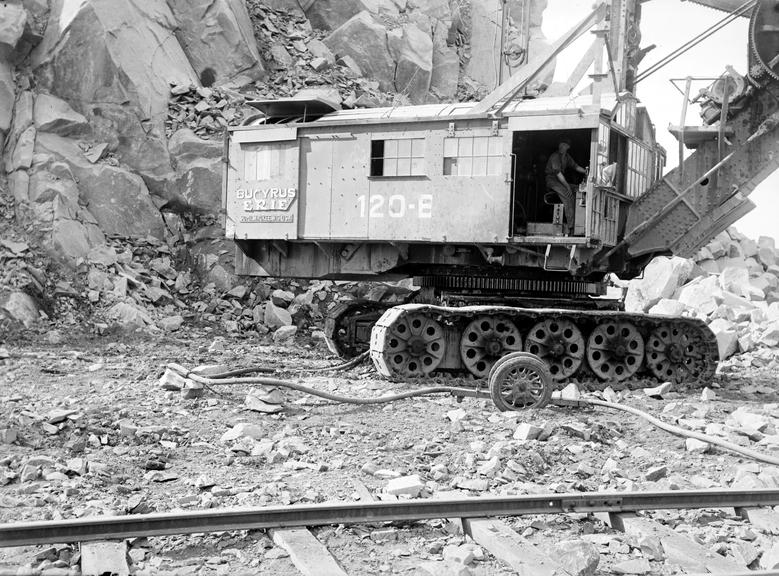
[640,169]
[398,157]
[264,161]
[473,156]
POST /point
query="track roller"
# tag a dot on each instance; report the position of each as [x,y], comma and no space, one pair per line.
[520,380]
[615,350]
[559,343]
[485,340]
[676,353]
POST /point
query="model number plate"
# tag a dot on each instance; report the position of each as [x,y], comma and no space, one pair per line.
[395,206]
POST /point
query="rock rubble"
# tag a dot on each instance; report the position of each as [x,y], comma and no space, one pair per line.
[732,284]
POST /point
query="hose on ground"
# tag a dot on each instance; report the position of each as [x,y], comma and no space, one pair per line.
[676,430]
[308,390]
[670,428]
[268,370]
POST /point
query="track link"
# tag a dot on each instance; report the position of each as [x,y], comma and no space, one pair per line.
[416,340]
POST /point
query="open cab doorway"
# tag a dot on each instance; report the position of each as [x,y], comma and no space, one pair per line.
[537,210]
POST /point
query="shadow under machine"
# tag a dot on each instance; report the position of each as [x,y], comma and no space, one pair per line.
[454,195]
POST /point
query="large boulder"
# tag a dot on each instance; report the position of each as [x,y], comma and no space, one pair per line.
[114,62]
[662,277]
[106,52]
[198,183]
[727,337]
[700,295]
[735,280]
[218,39]
[446,72]
[412,51]
[6,97]
[22,120]
[364,39]
[50,202]
[485,30]
[118,199]
[330,14]
[19,306]
[54,115]
[13,17]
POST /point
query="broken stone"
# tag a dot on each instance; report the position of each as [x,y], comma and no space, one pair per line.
[7,435]
[696,446]
[727,337]
[243,430]
[578,557]
[408,485]
[265,402]
[284,335]
[707,394]
[654,474]
[570,392]
[462,554]
[276,317]
[658,391]
[527,431]
[635,566]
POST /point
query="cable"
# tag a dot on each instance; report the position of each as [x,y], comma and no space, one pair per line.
[676,430]
[268,370]
[694,41]
[753,454]
[345,366]
[306,389]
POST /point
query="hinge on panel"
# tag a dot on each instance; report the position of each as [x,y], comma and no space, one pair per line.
[494,131]
[451,129]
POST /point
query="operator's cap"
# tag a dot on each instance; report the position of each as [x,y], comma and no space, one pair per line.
[566,141]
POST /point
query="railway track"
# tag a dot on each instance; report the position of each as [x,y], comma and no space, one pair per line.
[671,551]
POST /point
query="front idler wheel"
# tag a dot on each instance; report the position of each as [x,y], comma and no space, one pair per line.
[415,345]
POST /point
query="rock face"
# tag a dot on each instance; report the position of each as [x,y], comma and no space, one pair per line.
[412,51]
[133,58]
[117,198]
[364,39]
[520,43]
[218,39]
[198,182]
[330,14]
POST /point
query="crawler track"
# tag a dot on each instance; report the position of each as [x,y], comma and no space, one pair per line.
[414,340]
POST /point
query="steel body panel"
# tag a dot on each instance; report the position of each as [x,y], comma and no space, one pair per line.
[316,176]
[262,201]
[570,120]
[341,201]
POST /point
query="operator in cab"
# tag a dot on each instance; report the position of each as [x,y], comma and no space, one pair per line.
[557,165]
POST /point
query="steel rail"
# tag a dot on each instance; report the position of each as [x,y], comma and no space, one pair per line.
[219,520]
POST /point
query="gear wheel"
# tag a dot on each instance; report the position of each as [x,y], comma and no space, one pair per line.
[764,38]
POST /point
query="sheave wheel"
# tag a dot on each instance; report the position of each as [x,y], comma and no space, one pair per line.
[559,343]
[615,350]
[415,345]
[520,381]
[485,340]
